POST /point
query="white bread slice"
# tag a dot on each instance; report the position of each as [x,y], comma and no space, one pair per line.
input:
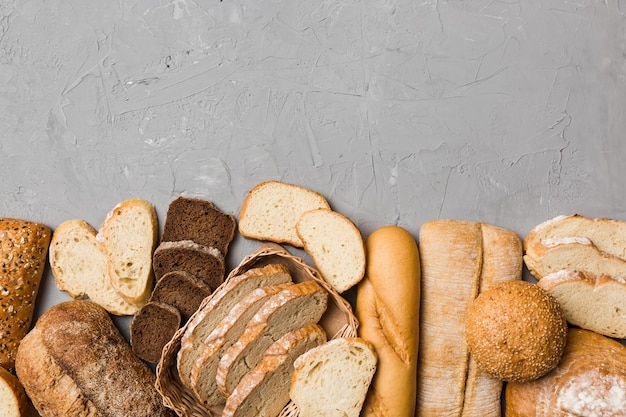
[553,255]
[336,246]
[332,380]
[271,210]
[225,334]
[607,235]
[590,302]
[13,402]
[216,307]
[264,391]
[296,306]
[79,267]
[128,237]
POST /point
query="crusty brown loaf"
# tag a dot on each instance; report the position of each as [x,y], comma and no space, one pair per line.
[23,250]
[387,307]
[81,340]
[589,381]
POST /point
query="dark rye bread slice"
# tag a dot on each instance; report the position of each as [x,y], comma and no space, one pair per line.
[225,334]
[182,291]
[216,307]
[204,262]
[264,391]
[294,307]
[151,328]
[200,221]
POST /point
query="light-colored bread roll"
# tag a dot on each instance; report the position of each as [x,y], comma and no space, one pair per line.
[387,307]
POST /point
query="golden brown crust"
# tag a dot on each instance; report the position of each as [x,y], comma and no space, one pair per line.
[23,250]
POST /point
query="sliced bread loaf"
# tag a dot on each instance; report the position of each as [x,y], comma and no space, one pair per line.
[200,221]
[264,391]
[294,307]
[216,307]
[332,380]
[80,267]
[204,262]
[271,210]
[335,245]
[13,402]
[225,334]
[608,235]
[182,291]
[553,255]
[151,328]
[593,303]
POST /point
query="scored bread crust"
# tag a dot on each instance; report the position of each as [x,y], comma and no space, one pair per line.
[23,248]
[271,210]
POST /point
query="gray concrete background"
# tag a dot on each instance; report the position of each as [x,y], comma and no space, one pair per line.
[398,111]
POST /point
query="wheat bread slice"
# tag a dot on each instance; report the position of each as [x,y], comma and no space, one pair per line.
[182,291]
[79,267]
[225,334]
[332,380]
[204,262]
[151,328]
[200,221]
[596,303]
[216,307]
[294,307]
[580,254]
[271,210]
[128,236]
[264,391]
[336,246]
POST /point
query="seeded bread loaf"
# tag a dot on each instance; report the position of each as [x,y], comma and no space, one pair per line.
[215,308]
[182,291]
[23,250]
[294,307]
[79,339]
[200,221]
[264,391]
[204,262]
[13,401]
[331,380]
[271,210]
[151,328]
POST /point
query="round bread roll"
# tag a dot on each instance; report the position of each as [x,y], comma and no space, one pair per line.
[516,331]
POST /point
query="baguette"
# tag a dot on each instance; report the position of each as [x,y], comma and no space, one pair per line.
[387,306]
[23,249]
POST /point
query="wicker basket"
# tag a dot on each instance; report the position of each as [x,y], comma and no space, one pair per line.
[338,321]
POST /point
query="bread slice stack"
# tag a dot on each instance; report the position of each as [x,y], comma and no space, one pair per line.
[581,261]
[189,263]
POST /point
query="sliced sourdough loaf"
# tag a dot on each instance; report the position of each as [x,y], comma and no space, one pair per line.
[271,210]
[578,254]
[335,245]
[13,402]
[596,303]
[200,221]
[182,291]
[80,267]
[128,237]
[264,391]
[216,307]
[151,328]
[608,235]
[225,334]
[332,380]
[294,307]
[204,262]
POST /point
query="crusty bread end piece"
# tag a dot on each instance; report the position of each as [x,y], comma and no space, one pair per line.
[272,208]
[13,402]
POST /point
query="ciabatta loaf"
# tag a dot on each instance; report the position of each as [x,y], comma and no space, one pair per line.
[589,381]
[331,380]
[23,250]
[596,303]
[466,257]
[271,210]
[264,391]
[294,307]
[387,307]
